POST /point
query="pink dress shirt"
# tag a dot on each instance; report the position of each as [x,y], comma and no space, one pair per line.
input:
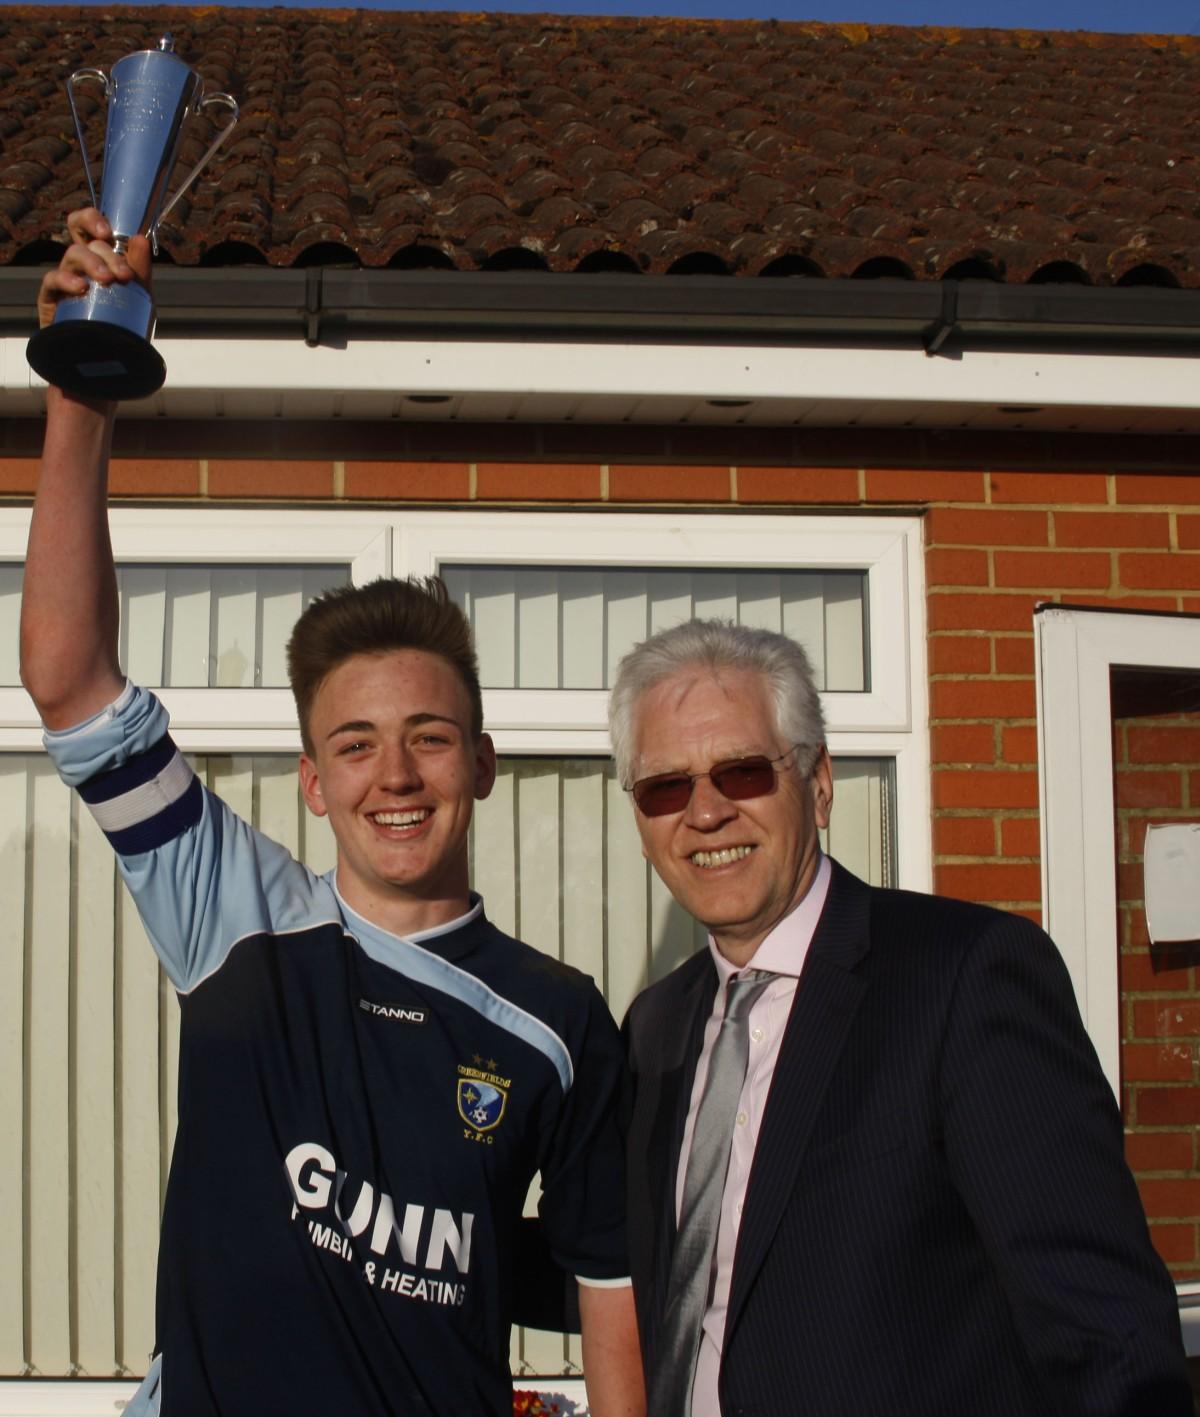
[782,953]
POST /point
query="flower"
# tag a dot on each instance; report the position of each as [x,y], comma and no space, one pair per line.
[530,1404]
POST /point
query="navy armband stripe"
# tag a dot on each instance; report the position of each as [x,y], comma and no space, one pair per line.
[147,801]
[143,768]
[172,821]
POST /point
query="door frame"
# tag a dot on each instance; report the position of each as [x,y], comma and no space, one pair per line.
[1076,648]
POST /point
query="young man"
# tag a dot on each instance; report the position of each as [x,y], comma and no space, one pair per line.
[370,1072]
[905,1192]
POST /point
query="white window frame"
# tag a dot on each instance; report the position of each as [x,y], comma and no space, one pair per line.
[891,720]
[1076,650]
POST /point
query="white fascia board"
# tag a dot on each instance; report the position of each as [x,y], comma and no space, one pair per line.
[664,371]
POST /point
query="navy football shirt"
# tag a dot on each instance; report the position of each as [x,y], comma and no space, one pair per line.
[360,1115]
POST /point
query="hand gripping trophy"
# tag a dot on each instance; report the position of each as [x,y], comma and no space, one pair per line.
[99,343]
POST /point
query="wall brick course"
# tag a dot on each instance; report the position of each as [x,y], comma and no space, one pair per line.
[919,485]
[1156,489]
[1158,1062]
[1164,743]
[1188,529]
[1014,654]
[1112,529]
[263,477]
[1055,488]
[1167,1106]
[964,836]
[975,789]
[963,743]
[1019,745]
[960,654]
[154,477]
[1166,1018]
[1053,570]
[965,526]
[1173,1199]
[797,484]
[542,482]
[1149,571]
[19,474]
[985,881]
[1149,789]
[964,610]
[401,481]
[1176,1244]
[1141,973]
[982,698]
[946,565]
[636,482]
[1159,1151]
[1021,836]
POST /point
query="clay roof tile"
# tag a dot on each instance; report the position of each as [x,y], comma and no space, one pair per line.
[397,137]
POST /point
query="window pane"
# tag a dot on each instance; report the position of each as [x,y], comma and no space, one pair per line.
[559,627]
[195,626]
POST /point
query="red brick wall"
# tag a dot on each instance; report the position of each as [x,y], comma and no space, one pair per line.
[1115,522]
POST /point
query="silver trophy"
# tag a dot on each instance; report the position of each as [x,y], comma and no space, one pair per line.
[99,343]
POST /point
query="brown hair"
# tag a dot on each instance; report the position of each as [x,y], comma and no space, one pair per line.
[371,619]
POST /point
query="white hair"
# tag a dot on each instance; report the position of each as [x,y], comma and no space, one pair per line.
[717,645]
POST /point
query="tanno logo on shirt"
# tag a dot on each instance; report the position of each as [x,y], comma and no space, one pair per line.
[395,1013]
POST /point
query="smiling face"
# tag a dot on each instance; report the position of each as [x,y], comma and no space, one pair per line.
[737,867]
[395,768]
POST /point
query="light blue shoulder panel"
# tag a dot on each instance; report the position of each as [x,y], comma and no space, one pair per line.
[203,879]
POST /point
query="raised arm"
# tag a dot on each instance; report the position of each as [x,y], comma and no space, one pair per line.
[69,613]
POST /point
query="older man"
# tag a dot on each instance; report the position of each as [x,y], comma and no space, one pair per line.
[874,1164]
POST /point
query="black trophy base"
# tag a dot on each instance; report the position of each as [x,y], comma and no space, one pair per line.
[95,359]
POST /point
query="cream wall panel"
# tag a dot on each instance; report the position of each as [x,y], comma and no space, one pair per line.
[540,874]
[138,1161]
[13,1172]
[48,1079]
[94,1072]
[627,900]
[583,869]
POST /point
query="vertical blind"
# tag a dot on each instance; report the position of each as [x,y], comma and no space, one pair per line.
[559,627]
[195,626]
[89,1025]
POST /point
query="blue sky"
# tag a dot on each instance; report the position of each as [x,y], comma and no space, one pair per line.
[1152,16]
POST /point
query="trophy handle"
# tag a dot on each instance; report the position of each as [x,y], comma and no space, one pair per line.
[220,98]
[78,77]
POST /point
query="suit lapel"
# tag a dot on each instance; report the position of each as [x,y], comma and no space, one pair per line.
[826,1001]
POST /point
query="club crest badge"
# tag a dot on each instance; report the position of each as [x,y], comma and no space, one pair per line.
[482,1096]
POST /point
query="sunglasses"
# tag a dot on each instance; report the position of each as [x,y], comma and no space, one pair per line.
[737,779]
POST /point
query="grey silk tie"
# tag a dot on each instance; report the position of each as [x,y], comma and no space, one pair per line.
[670,1386]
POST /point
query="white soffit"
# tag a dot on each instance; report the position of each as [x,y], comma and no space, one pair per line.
[539,381]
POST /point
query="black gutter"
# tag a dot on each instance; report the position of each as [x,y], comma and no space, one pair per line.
[329,305]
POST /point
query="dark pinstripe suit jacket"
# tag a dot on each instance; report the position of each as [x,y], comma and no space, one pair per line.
[939,1221]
